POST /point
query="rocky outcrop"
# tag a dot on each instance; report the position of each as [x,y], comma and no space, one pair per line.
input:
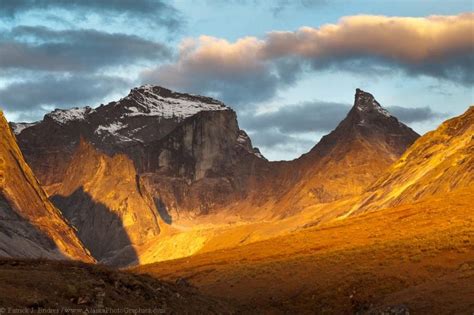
[30,226]
[202,165]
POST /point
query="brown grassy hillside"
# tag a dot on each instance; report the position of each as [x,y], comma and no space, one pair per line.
[418,255]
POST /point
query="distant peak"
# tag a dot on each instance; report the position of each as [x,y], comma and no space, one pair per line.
[366,103]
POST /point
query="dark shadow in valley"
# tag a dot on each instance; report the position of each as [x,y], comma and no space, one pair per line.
[100,230]
[163,211]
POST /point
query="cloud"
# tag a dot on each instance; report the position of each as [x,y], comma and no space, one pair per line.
[233,72]
[281,5]
[230,71]
[415,115]
[154,12]
[273,138]
[276,145]
[438,46]
[50,91]
[313,116]
[252,69]
[45,49]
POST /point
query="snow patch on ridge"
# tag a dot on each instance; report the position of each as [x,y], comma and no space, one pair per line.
[19,127]
[63,116]
[148,102]
[365,102]
[111,128]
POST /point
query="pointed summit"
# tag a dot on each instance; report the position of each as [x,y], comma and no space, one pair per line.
[369,121]
[365,102]
[367,111]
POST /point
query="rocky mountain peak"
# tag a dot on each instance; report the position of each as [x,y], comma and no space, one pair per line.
[149,100]
[368,121]
[365,103]
[64,116]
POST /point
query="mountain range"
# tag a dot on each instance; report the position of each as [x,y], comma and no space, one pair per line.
[161,175]
[156,156]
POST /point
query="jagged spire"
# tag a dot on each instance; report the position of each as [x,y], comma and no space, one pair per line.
[365,102]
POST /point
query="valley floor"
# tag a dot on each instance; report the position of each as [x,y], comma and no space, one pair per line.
[416,257]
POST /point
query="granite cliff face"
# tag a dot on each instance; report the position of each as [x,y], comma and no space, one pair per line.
[202,165]
[30,226]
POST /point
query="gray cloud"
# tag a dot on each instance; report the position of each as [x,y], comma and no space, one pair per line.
[275,6]
[252,69]
[273,138]
[154,12]
[41,48]
[231,72]
[236,89]
[281,5]
[28,96]
[416,114]
[315,116]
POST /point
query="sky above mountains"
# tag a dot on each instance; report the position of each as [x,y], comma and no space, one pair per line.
[289,68]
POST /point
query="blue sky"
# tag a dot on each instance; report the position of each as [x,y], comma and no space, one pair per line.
[290,85]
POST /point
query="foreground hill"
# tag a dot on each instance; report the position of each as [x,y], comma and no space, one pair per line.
[412,255]
[30,226]
[47,287]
